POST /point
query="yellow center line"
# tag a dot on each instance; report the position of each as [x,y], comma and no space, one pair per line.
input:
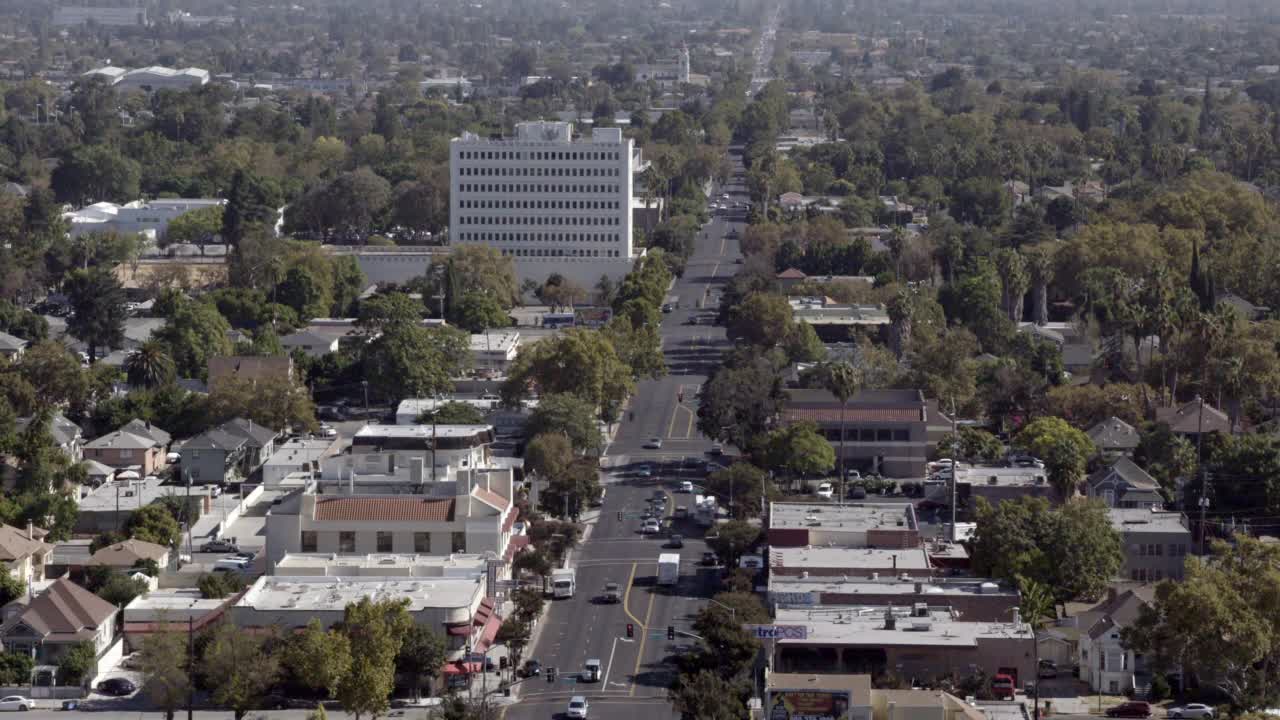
[626,598]
[640,652]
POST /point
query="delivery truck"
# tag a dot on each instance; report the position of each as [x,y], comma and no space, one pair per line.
[563,583]
[668,568]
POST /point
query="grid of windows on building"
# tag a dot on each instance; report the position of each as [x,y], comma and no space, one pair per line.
[588,216]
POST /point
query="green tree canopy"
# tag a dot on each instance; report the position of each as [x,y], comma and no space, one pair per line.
[1072,549]
[1064,450]
[578,362]
[97,309]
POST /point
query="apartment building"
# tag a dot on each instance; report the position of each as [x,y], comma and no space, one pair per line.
[1155,543]
[553,203]
[885,431]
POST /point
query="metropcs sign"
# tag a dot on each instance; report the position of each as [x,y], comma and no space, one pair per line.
[778,632]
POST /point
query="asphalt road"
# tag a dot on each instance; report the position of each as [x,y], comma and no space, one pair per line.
[638,671]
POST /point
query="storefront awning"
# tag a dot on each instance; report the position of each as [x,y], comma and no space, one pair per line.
[488,634]
[463,668]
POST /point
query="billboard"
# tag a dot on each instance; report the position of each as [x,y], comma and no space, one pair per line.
[808,705]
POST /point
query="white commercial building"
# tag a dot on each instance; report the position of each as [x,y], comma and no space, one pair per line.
[110,16]
[154,77]
[455,607]
[296,455]
[147,217]
[493,351]
[553,204]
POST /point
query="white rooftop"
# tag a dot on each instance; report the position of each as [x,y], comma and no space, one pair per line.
[496,342]
[1131,520]
[851,517]
[299,450]
[888,586]
[273,593]
[425,432]
[466,566]
[175,600]
[854,625]
[854,560]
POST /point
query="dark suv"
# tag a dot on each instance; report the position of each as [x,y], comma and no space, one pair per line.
[1131,709]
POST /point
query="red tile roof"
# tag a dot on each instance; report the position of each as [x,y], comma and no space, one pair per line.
[792,274]
[515,545]
[853,415]
[390,509]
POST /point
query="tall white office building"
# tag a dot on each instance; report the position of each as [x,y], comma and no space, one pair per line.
[552,203]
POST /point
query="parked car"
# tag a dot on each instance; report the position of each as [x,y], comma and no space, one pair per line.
[857,492]
[717,449]
[132,661]
[246,555]
[328,431]
[645,471]
[1193,711]
[15,703]
[1048,669]
[709,558]
[654,443]
[531,668]
[685,486]
[825,491]
[219,546]
[577,707]
[1131,709]
[118,687]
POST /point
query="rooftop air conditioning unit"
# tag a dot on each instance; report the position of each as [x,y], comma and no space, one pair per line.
[921,626]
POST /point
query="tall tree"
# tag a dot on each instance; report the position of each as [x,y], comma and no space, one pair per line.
[164,663]
[422,654]
[1064,450]
[239,667]
[376,631]
[252,205]
[97,309]
[843,382]
[317,658]
[1219,623]
[149,365]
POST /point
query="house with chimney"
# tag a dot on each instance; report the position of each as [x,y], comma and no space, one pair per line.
[24,552]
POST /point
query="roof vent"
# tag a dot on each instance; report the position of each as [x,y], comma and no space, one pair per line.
[921,626]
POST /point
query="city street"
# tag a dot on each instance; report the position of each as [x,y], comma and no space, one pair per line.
[637,671]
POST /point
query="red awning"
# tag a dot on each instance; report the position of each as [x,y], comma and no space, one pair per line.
[484,612]
[515,545]
[463,668]
[459,630]
[511,519]
[488,634]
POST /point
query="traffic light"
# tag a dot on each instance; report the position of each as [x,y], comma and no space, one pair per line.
[619,515]
[551,674]
[631,630]
[671,632]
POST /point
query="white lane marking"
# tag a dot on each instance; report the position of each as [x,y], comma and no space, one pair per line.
[609,667]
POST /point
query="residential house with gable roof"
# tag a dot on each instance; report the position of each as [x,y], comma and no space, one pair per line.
[56,620]
[1191,419]
[24,552]
[227,453]
[1105,663]
[1114,438]
[1123,484]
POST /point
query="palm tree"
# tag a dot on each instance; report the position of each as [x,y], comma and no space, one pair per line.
[843,381]
[149,365]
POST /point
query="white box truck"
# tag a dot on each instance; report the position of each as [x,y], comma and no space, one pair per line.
[668,568]
[563,583]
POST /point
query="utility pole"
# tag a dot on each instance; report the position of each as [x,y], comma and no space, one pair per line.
[365,385]
[1204,507]
[955,450]
[191,663]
